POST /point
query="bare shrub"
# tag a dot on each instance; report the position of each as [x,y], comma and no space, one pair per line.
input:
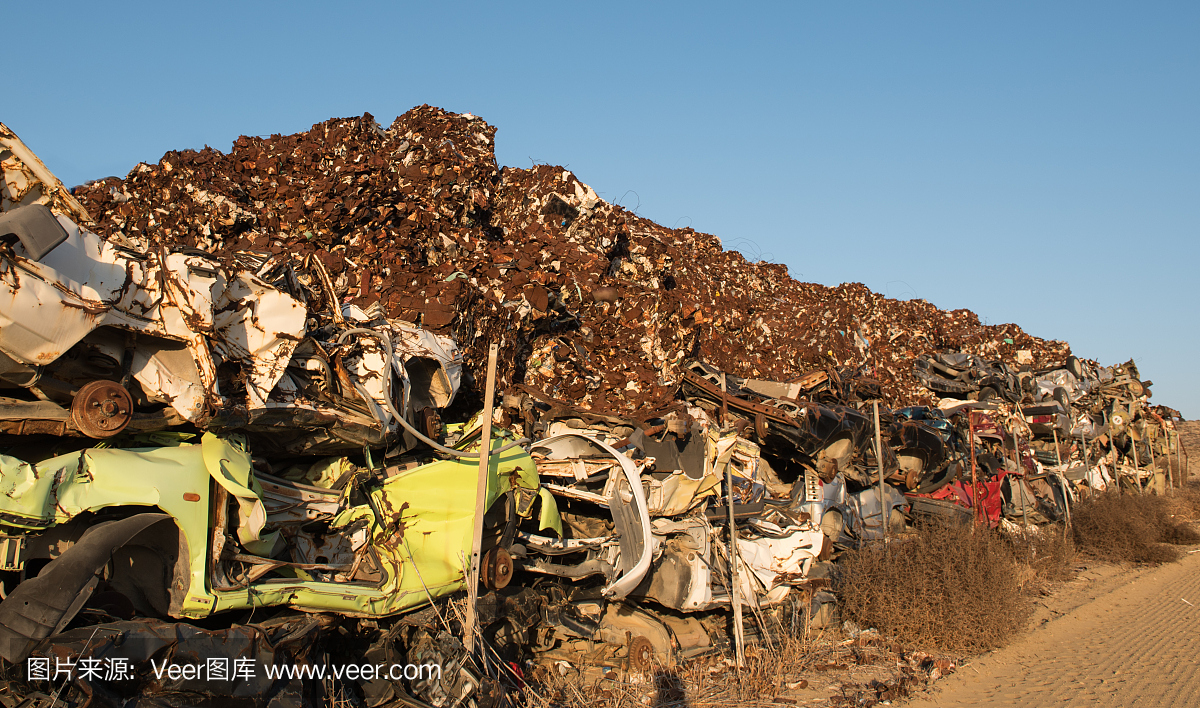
[1135,528]
[1185,502]
[1043,556]
[953,587]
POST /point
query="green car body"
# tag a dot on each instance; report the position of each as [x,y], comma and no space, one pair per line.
[417,522]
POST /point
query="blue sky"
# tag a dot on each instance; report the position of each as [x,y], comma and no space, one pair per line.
[1037,163]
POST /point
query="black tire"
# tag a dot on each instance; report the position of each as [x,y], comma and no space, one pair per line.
[923,506]
[935,481]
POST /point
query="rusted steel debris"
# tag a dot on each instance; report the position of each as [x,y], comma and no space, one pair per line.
[589,301]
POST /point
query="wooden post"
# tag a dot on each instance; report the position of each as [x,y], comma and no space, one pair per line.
[1185,460]
[1153,461]
[1179,460]
[1112,445]
[739,636]
[735,590]
[1137,465]
[724,402]
[1172,469]
[883,510]
[485,449]
[1083,453]
[1020,466]
[974,478]
[1167,450]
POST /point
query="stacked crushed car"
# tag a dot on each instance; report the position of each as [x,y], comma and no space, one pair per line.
[239,420]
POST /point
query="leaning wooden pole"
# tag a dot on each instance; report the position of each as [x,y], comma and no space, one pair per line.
[735,590]
[1020,415]
[883,510]
[1153,464]
[1172,473]
[1182,472]
[974,475]
[485,449]
[1137,464]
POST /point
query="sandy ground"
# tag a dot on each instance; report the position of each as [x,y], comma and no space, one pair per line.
[1111,637]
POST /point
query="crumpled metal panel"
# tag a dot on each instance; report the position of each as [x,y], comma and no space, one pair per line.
[259,325]
[43,605]
[48,306]
[27,181]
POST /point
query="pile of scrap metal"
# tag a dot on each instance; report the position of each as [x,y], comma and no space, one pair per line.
[1097,425]
[196,454]
[211,454]
[587,301]
[960,375]
[97,338]
[221,455]
[1045,436]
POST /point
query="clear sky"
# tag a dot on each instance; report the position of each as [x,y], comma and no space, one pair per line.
[1036,162]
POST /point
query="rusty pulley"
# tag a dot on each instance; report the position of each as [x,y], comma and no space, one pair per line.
[497,569]
[760,427]
[641,653]
[102,409]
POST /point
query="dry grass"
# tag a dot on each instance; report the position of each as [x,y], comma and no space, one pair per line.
[860,672]
[952,587]
[708,681]
[1135,528]
[1184,503]
[1043,556]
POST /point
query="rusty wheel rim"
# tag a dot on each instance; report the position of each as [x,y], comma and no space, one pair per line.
[102,409]
[497,569]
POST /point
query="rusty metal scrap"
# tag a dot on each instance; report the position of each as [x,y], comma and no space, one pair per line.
[591,303]
[688,411]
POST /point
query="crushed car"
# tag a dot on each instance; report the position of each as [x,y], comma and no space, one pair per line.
[202,527]
[961,375]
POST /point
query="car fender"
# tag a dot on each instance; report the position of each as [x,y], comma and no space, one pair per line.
[42,606]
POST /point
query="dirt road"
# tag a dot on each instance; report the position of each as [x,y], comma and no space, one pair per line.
[1129,640]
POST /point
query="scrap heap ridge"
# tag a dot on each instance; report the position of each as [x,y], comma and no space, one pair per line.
[589,302]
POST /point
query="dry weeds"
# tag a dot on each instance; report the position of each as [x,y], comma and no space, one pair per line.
[833,672]
[1135,528]
[708,681]
[1184,503]
[953,587]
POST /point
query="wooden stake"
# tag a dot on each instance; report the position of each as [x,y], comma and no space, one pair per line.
[883,510]
[1083,453]
[1167,452]
[974,478]
[485,449]
[1179,461]
[1112,445]
[1177,471]
[735,591]
[1020,467]
[1137,464]
[1153,461]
